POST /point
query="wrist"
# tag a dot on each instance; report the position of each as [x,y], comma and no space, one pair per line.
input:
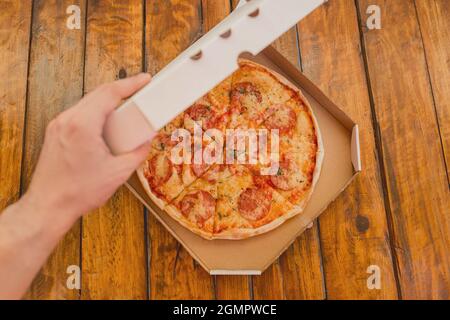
[46,215]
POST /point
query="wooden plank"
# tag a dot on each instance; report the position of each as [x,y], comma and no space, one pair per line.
[269,285]
[214,12]
[301,268]
[435,26]
[15,19]
[113,242]
[413,163]
[171,26]
[227,287]
[15,26]
[354,230]
[233,288]
[55,83]
[298,273]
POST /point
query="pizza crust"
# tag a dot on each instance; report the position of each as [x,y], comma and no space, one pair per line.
[176,214]
[281,79]
[153,197]
[170,210]
[239,234]
[243,233]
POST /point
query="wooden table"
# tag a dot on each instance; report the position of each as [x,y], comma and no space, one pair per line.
[395,82]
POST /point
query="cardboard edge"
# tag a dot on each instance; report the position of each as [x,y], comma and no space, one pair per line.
[356,149]
[309,225]
[241,3]
[173,233]
[219,272]
[212,272]
[294,73]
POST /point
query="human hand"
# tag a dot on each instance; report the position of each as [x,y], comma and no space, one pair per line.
[76,171]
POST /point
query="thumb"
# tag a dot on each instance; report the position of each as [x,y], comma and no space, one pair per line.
[109,96]
[124,88]
[134,158]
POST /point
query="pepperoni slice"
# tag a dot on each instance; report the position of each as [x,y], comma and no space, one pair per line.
[198,207]
[289,175]
[281,117]
[254,203]
[199,169]
[245,94]
[159,170]
[202,113]
[163,141]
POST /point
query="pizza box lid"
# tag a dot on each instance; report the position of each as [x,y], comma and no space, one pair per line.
[341,163]
[253,26]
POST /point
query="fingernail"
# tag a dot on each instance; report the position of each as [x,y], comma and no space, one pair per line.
[144,76]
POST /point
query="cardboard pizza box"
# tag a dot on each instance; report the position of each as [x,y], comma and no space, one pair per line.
[340,166]
[250,29]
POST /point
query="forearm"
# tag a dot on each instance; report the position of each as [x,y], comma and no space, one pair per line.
[76,173]
[28,234]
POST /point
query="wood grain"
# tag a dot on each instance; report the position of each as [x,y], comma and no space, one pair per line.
[417,186]
[301,268]
[113,242]
[15,19]
[274,284]
[173,274]
[214,12]
[55,83]
[434,22]
[233,288]
[353,230]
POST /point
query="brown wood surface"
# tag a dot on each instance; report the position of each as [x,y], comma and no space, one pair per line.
[56,64]
[14,55]
[113,242]
[434,23]
[413,163]
[14,46]
[353,230]
[171,27]
[394,82]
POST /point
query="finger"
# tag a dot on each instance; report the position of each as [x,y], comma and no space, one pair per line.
[127,87]
[109,96]
[133,159]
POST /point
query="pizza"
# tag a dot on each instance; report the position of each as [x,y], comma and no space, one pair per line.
[203,178]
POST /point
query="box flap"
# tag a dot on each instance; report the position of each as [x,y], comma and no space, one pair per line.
[250,28]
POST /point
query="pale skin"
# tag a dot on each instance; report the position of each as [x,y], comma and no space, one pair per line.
[75,174]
